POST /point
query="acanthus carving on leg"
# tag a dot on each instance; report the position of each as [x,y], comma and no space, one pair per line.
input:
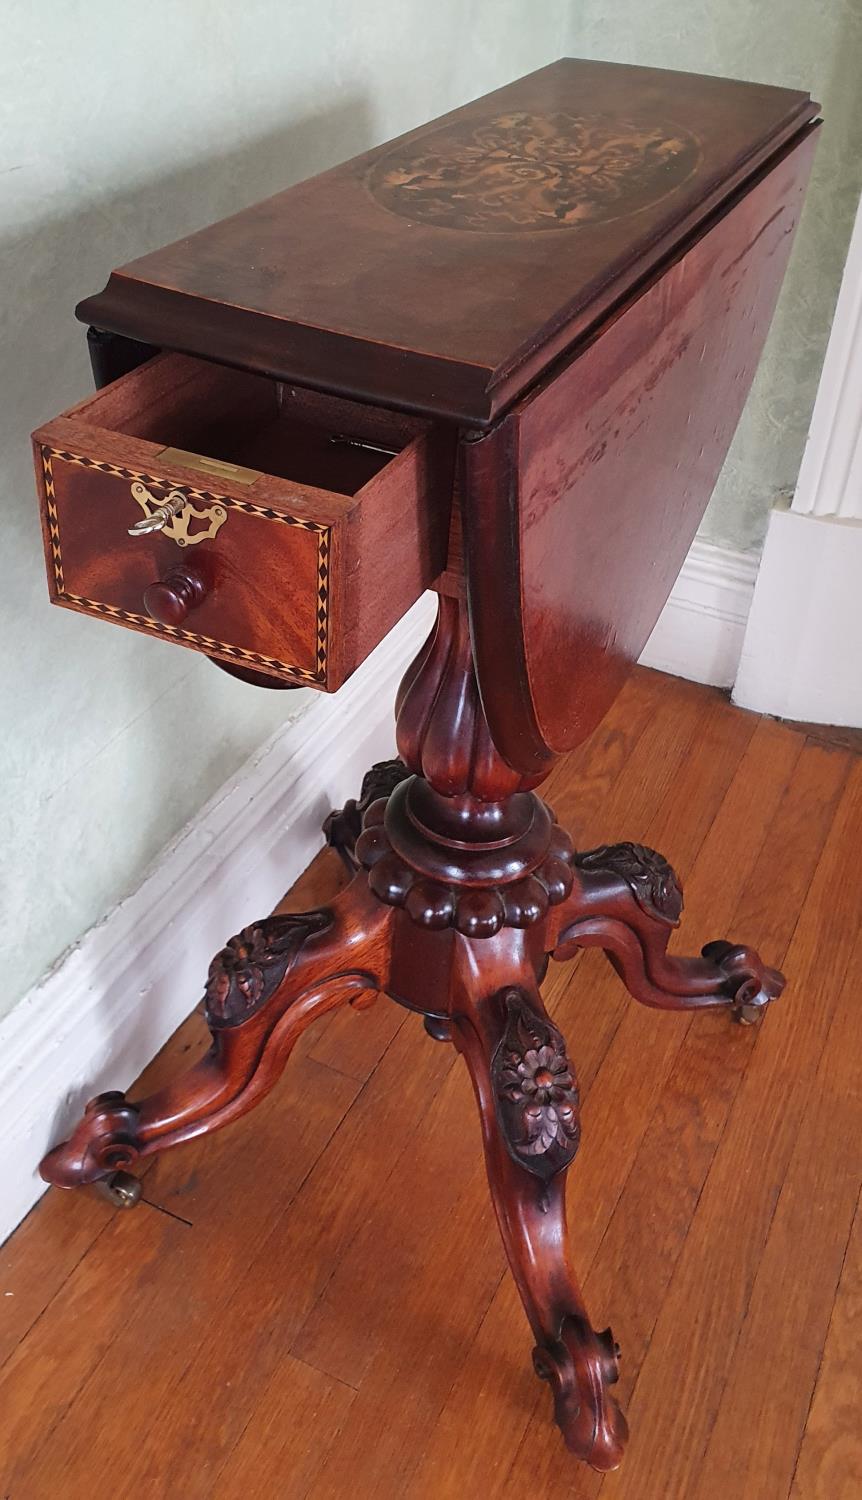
[343,826]
[263,989]
[251,966]
[652,881]
[528,1104]
[627,900]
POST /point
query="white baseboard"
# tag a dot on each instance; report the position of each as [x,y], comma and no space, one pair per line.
[114,999]
[800,659]
[701,629]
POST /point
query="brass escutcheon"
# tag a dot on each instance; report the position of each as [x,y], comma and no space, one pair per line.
[173,515]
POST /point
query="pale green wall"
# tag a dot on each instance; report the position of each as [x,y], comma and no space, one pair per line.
[806,44]
[124,126]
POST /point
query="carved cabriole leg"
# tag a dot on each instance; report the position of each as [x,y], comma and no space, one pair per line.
[528,1103]
[264,988]
[627,900]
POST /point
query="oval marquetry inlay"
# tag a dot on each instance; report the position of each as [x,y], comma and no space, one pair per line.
[526,172]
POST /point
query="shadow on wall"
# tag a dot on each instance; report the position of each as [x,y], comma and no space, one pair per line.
[782,401]
[764,460]
[71,684]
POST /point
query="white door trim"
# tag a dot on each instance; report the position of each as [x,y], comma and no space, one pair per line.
[801,654]
[830,478]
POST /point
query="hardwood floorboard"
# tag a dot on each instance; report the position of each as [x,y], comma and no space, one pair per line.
[320,1311]
[760,1422]
[632,1271]
[829,1466]
[284,1273]
[677,1396]
[158,1326]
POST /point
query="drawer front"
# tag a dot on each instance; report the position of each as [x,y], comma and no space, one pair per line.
[285,531]
[266,573]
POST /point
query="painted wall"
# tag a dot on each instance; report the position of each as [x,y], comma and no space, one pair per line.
[123,127]
[806,44]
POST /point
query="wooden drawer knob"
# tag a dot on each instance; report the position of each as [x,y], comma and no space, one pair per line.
[173,597]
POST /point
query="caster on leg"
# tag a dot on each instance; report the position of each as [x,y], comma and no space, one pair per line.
[627,902]
[265,987]
[121,1189]
[753,986]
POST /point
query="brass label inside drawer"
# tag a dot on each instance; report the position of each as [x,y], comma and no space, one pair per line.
[218,466]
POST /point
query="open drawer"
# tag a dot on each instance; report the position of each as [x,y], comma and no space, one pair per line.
[280,531]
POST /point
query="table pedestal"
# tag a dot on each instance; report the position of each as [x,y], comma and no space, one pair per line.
[463,886]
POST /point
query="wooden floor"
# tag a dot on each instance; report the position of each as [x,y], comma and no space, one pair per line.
[313,1303]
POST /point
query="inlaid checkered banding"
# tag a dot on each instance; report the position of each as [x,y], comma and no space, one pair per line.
[174,632]
[53,520]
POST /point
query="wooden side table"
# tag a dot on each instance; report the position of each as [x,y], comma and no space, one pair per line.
[502,357]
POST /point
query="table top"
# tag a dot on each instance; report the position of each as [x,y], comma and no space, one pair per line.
[444,271]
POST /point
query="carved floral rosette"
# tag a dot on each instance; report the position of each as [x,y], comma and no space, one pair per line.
[535,1092]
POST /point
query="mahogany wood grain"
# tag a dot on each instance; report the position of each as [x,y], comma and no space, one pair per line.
[580,506]
[443,271]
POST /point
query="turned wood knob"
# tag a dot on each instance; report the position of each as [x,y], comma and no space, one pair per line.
[172,598]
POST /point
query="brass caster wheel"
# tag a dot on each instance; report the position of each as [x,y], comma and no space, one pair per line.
[748,1015]
[750,1012]
[121,1189]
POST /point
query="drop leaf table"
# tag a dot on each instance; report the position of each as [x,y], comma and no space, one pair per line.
[501,357]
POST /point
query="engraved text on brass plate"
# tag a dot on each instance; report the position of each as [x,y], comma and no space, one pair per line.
[526,172]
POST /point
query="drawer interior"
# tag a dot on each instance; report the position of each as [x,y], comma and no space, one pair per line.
[252,421]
